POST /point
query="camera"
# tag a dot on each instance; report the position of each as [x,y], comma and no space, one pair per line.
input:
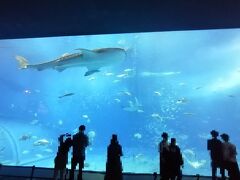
[63,137]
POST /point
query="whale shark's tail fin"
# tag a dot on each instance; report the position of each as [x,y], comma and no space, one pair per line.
[22,62]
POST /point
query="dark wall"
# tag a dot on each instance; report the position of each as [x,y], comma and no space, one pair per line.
[42,18]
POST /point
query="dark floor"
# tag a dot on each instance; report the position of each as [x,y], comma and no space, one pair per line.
[24,173]
[100,177]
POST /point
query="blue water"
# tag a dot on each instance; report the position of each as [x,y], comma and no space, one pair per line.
[185,83]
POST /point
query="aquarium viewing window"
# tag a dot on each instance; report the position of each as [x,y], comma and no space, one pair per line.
[136,85]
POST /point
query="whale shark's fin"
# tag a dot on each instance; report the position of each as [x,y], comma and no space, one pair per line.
[87,52]
[60,69]
[23,63]
[84,50]
[90,72]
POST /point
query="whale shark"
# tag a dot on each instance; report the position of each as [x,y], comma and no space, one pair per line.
[93,60]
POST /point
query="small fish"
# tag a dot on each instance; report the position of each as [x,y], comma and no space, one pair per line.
[91,78]
[2,149]
[117,100]
[128,70]
[108,74]
[156,116]
[170,73]
[65,95]
[126,93]
[231,96]
[122,75]
[137,136]
[86,117]
[189,114]
[27,91]
[41,142]
[39,155]
[199,87]
[138,156]
[182,101]
[157,93]
[25,137]
[25,152]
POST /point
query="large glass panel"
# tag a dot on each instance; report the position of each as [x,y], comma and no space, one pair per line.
[185,83]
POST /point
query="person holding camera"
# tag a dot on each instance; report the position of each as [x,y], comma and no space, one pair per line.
[61,158]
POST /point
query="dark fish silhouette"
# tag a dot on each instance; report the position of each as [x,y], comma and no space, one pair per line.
[65,95]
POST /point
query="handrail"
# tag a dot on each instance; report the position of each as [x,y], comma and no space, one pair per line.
[32,172]
[34,169]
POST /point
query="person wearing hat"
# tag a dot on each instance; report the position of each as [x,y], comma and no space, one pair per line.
[80,142]
[163,148]
[229,158]
[61,158]
[114,164]
[214,145]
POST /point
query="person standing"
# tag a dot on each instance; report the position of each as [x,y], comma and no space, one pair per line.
[174,161]
[214,145]
[163,148]
[114,164]
[80,142]
[230,158]
[61,158]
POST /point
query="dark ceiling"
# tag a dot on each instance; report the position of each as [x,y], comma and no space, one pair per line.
[43,18]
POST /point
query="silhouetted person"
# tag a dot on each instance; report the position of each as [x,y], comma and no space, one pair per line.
[154,176]
[174,161]
[114,164]
[80,142]
[61,158]
[229,158]
[163,150]
[214,145]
